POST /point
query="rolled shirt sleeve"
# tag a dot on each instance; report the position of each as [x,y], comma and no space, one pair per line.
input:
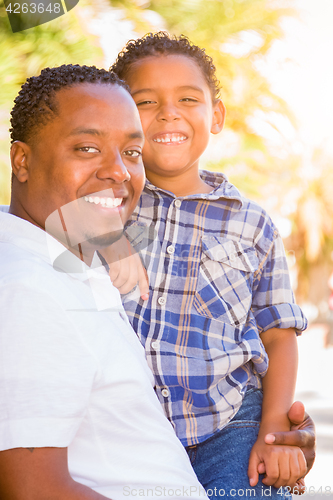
[273,303]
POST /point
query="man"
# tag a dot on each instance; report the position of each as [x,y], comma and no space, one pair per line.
[78,415]
[75,386]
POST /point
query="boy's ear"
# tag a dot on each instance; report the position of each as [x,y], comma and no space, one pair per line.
[19,155]
[219,112]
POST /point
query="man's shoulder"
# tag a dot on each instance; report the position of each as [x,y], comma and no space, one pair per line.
[15,259]
[23,247]
[20,268]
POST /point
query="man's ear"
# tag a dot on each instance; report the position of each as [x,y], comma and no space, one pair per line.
[219,112]
[19,155]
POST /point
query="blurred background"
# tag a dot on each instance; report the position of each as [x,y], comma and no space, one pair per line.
[274,61]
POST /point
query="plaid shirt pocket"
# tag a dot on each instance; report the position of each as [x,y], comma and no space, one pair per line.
[224,287]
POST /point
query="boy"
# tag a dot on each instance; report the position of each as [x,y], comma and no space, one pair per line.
[219,281]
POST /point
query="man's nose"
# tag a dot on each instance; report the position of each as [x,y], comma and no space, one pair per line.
[168,112]
[113,168]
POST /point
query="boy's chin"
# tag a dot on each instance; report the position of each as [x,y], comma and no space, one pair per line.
[171,170]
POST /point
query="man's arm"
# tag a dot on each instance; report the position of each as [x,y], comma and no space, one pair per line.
[39,474]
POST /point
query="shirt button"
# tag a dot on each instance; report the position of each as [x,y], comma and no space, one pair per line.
[232,257]
[171,249]
[165,393]
[177,203]
[161,301]
[155,345]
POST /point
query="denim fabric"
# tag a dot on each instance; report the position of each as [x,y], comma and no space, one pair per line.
[221,462]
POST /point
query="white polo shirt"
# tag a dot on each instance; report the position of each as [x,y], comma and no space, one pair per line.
[73,373]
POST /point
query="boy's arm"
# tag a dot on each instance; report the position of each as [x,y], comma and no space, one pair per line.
[273,306]
[283,464]
[40,473]
[125,267]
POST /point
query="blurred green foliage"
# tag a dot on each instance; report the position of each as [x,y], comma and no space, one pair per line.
[238,34]
[23,54]
[222,27]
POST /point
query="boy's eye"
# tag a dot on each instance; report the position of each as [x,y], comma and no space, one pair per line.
[145,102]
[133,153]
[188,99]
[89,149]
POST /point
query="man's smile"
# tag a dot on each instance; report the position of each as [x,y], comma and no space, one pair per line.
[105,202]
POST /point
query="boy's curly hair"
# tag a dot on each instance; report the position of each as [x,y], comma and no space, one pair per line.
[162,43]
[36,104]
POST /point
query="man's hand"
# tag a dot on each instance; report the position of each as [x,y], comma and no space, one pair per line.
[302,434]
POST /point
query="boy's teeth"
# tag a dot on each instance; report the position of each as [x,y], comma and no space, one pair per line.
[171,138]
[104,202]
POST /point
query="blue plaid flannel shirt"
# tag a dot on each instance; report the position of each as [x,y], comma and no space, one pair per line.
[218,278]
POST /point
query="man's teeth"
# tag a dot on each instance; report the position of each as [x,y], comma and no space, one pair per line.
[104,202]
[171,138]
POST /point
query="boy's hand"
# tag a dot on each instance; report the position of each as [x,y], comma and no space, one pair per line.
[284,465]
[125,268]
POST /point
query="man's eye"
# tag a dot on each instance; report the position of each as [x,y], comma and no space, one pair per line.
[133,153]
[89,149]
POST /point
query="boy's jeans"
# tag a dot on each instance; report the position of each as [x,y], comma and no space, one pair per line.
[221,461]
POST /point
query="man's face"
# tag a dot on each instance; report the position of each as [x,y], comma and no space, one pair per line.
[87,162]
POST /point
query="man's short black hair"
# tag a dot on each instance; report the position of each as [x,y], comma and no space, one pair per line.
[161,43]
[36,102]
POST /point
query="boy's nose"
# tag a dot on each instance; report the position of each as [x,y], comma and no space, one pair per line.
[113,168]
[168,112]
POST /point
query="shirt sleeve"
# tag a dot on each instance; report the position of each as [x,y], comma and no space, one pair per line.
[273,303]
[46,373]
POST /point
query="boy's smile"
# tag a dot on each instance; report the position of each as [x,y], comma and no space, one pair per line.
[174,138]
[177,114]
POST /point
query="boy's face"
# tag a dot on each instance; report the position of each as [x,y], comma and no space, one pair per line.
[87,159]
[176,111]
